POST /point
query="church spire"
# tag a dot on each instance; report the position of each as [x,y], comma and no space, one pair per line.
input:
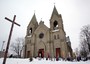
[34,18]
[55,11]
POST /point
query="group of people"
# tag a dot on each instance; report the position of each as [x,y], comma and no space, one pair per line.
[58,58]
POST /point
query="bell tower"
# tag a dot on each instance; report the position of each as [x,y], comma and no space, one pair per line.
[56,20]
[58,35]
[32,25]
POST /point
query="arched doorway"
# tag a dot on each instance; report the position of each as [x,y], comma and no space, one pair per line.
[41,53]
[28,54]
[41,48]
[58,52]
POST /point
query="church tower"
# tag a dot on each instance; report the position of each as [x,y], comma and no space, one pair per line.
[58,35]
[32,25]
[56,20]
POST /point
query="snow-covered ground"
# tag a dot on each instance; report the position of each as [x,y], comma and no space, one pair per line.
[42,61]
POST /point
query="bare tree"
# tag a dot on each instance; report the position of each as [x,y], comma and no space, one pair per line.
[17,46]
[76,52]
[83,49]
[85,40]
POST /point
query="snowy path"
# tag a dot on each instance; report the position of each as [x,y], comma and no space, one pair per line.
[36,61]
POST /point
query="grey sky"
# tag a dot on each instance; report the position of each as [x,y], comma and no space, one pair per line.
[75,14]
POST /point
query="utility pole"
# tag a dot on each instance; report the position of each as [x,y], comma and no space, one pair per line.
[9,38]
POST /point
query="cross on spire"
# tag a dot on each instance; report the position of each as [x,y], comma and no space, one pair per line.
[34,11]
[54,3]
[9,38]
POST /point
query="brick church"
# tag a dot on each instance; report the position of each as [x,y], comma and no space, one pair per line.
[47,42]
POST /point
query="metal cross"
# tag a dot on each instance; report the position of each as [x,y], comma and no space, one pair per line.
[9,38]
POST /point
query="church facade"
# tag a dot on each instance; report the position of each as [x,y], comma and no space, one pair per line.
[47,42]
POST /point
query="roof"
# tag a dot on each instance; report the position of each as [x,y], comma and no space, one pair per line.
[33,20]
[55,12]
[41,26]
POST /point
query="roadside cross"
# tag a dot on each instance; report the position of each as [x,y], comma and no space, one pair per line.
[9,38]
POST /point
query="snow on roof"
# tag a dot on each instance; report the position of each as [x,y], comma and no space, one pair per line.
[55,30]
[29,36]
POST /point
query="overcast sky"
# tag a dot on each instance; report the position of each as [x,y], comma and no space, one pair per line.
[75,14]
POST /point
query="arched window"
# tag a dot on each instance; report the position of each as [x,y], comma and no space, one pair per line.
[57,36]
[55,25]
[54,36]
[30,30]
[30,41]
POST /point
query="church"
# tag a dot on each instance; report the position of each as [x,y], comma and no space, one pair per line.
[43,41]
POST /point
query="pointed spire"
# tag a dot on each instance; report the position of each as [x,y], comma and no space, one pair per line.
[55,11]
[34,20]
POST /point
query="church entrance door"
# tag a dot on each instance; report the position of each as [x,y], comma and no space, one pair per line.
[57,52]
[28,54]
[41,53]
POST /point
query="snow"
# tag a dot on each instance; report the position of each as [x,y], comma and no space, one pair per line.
[29,36]
[55,30]
[42,61]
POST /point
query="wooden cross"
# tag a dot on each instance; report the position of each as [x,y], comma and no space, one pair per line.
[9,38]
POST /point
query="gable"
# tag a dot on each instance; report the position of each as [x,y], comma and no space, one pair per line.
[41,28]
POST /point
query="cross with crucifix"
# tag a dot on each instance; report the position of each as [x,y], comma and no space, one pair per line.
[9,38]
